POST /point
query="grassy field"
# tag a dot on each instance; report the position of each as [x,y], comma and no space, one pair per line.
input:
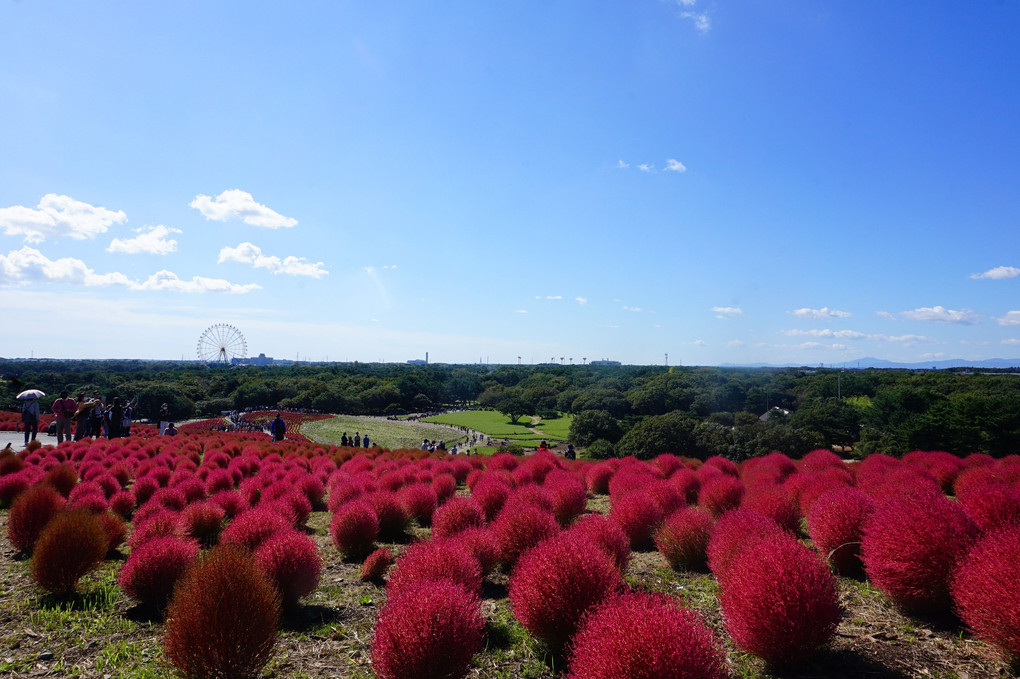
[387,433]
[497,425]
[556,430]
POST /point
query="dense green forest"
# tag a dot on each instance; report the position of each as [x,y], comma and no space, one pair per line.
[618,410]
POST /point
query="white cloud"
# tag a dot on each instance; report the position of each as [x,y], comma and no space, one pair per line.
[581,300]
[906,340]
[635,309]
[1010,318]
[835,334]
[28,265]
[249,253]
[817,314]
[390,266]
[933,354]
[521,311]
[940,314]
[1011,342]
[151,240]
[645,167]
[736,343]
[727,311]
[167,280]
[549,297]
[237,204]
[815,346]
[56,217]
[697,343]
[999,273]
[701,20]
[674,165]
[885,314]
[622,165]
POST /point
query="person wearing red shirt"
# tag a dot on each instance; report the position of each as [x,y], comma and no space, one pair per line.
[64,408]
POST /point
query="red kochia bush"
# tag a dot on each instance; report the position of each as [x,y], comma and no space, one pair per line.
[521,527]
[71,545]
[430,629]
[986,589]
[442,559]
[911,544]
[836,525]
[638,515]
[354,528]
[555,583]
[152,570]
[481,543]
[203,521]
[735,532]
[683,538]
[779,601]
[222,619]
[992,504]
[376,564]
[30,513]
[457,515]
[292,563]
[645,636]
[419,501]
[253,527]
[605,534]
[720,493]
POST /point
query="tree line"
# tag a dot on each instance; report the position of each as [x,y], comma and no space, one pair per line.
[617,410]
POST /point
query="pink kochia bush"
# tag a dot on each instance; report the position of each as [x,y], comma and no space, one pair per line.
[520,527]
[779,601]
[555,583]
[291,561]
[735,532]
[251,528]
[911,544]
[683,538]
[836,525]
[354,529]
[376,564]
[440,559]
[645,636]
[986,590]
[30,513]
[458,514]
[152,570]
[605,534]
[429,629]
[638,515]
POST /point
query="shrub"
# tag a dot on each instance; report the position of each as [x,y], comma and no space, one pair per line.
[459,514]
[222,619]
[291,561]
[910,545]
[231,501]
[203,521]
[481,543]
[115,529]
[445,486]
[62,477]
[123,504]
[491,494]
[152,570]
[72,544]
[555,583]
[253,527]
[683,538]
[354,529]
[160,524]
[598,477]
[569,496]
[376,564]
[645,636]
[735,532]
[779,601]
[986,590]
[430,629]
[777,504]
[521,527]
[605,534]
[392,517]
[720,493]
[836,527]
[639,515]
[992,504]
[13,485]
[444,559]
[419,501]
[30,513]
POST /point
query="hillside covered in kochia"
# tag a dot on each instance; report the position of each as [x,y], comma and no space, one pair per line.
[619,410]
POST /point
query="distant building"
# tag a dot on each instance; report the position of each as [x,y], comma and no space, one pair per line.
[605,362]
[261,360]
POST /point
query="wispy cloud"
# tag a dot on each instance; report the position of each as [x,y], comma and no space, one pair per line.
[521,311]
[835,334]
[885,314]
[635,309]
[818,314]
[725,312]
[622,165]
[940,314]
[58,216]
[645,167]
[998,273]
[1009,318]
[151,240]
[581,300]
[237,204]
[549,297]
[1011,342]
[700,19]
[674,165]
[249,253]
[29,266]
[906,340]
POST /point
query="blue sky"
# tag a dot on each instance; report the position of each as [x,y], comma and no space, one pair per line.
[722,181]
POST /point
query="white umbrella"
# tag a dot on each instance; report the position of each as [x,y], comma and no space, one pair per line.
[30,393]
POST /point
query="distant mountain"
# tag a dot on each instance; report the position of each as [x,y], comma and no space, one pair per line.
[870,362]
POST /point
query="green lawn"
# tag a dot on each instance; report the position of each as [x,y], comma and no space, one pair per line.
[556,430]
[489,422]
[390,434]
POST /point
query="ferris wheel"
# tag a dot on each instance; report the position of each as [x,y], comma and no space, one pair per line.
[221,343]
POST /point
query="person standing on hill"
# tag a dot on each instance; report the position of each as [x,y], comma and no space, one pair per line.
[64,408]
[278,428]
[357,440]
[164,418]
[30,416]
